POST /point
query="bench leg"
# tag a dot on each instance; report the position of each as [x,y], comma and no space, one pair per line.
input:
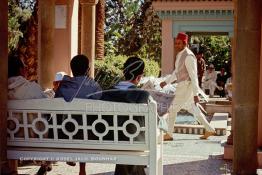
[160,160]
[153,169]
[156,162]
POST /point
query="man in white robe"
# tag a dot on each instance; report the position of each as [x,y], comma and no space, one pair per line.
[186,96]
[209,80]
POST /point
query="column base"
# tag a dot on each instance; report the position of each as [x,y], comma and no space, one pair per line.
[228,152]
[259,158]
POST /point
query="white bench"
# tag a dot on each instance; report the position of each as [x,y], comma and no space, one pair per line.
[30,121]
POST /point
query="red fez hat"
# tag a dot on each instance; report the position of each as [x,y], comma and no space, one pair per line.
[182,36]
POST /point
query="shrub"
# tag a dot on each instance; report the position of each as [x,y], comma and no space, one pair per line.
[109,71]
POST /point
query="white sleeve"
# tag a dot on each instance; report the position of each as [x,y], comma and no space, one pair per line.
[171,78]
[191,66]
[214,76]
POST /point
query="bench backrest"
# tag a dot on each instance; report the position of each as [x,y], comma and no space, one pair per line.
[81,124]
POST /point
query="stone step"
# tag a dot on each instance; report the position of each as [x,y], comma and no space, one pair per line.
[219,101]
[215,108]
[196,129]
[219,122]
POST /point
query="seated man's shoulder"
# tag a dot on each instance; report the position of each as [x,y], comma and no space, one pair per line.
[129,95]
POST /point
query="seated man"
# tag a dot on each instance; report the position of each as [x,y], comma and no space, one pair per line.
[126,91]
[79,86]
[209,82]
[20,88]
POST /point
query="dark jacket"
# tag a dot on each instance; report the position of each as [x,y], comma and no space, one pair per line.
[131,95]
[78,87]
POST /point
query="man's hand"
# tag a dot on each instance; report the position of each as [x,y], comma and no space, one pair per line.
[162,84]
[196,99]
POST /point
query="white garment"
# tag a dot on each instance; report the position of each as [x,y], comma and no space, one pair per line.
[185,92]
[209,81]
[228,87]
[19,88]
[191,65]
[184,99]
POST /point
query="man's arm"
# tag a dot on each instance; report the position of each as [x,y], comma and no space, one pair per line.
[191,67]
[171,79]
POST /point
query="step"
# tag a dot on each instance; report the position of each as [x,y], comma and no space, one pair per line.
[219,101]
[196,129]
[219,122]
[214,108]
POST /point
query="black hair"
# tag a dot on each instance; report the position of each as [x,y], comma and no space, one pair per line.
[194,50]
[79,65]
[133,67]
[14,66]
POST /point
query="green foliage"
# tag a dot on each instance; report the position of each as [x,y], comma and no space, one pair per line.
[152,68]
[109,71]
[132,28]
[217,50]
[17,16]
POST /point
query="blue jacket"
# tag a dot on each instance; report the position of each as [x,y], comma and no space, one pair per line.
[78,87]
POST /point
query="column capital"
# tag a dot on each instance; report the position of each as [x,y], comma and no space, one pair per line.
[88,2]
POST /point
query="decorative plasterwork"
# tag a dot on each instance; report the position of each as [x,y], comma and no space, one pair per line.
[226,27]
[197,14]
[192,5]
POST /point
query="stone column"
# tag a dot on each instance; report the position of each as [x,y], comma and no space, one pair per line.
[46,70]
[230,137]
[228,147]
[88,31]
[3,81]
[167,61]
[246,74]
[260,96]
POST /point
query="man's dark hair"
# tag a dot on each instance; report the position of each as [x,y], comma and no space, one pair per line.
[79,65]
[194,50]
[133,67]
[14,66]
[201,51]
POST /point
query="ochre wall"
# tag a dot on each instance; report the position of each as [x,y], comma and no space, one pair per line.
[66,38]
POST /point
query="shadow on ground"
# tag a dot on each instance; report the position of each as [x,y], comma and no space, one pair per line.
[214,165]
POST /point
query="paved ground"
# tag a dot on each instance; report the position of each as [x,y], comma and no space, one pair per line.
[186,155]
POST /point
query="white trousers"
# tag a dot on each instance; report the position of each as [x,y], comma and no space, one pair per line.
[211,85]
[184,99]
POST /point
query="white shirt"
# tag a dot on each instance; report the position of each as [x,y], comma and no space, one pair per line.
[191,66]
